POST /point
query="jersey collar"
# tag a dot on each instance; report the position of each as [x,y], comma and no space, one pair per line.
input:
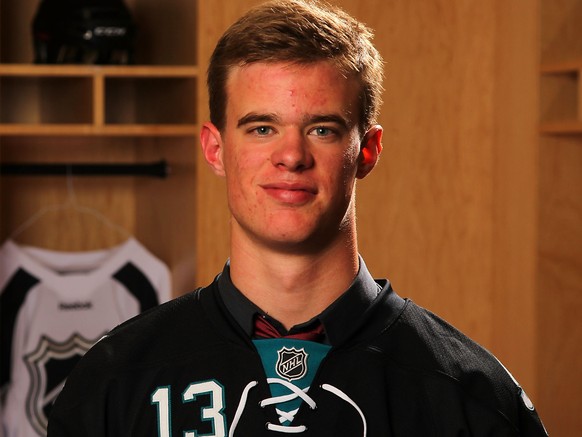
[340,319]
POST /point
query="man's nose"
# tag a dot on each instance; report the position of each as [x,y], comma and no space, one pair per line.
[292,153]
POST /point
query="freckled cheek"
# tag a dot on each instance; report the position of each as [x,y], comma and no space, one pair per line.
[242,180]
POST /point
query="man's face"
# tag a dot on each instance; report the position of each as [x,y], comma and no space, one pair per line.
[290,152]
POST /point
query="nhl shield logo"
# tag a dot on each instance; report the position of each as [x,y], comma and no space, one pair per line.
[49,365]
[291,363]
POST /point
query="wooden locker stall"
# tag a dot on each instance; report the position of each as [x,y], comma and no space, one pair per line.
[136,114]
[559,245]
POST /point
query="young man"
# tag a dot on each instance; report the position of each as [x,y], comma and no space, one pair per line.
[294,336]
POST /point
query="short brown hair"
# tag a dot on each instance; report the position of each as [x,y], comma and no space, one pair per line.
[302,32]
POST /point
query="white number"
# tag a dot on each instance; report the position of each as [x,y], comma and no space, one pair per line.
[214,412]
[161,398]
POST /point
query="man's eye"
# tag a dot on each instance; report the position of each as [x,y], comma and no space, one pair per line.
[262,130]
[322,131]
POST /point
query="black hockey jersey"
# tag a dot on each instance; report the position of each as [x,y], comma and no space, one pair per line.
[187,368]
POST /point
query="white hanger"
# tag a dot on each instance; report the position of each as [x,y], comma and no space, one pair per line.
[70,203]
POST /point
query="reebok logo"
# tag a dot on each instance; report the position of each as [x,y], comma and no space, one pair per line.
[75,306]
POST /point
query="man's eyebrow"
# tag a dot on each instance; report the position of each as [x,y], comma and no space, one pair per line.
[328,118]
[254,117]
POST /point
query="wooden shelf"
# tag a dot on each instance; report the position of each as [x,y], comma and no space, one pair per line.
[97,100]
[564,67]
[117,130]
[35,70]
[573,127]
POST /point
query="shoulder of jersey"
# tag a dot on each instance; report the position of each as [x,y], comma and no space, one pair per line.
[159,331]
[425,346]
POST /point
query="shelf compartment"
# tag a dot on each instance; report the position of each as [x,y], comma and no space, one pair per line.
[150,100]
[45,100]
[94,100]
[166,31]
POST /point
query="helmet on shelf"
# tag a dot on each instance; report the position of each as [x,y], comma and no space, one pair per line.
[83,32]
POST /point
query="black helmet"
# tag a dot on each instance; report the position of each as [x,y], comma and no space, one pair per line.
[83,32]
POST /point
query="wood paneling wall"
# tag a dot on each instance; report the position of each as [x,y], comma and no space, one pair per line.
[560,284]
[559,245]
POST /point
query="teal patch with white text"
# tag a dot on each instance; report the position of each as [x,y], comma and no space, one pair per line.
[293,361]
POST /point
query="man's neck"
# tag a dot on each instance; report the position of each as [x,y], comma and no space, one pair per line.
[291,287]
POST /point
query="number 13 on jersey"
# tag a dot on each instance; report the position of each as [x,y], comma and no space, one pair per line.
[212,413]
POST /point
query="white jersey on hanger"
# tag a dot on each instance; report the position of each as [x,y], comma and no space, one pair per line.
[53,307]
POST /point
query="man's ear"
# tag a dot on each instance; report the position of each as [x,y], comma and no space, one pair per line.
[370,150]
[212,150]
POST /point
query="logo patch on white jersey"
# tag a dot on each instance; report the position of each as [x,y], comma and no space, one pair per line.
[49,365]
[291,363]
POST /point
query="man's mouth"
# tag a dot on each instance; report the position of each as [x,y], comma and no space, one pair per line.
[290,192]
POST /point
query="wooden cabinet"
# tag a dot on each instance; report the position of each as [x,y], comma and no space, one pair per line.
[560,215]
[98,100]
[107,114]
[561,66]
